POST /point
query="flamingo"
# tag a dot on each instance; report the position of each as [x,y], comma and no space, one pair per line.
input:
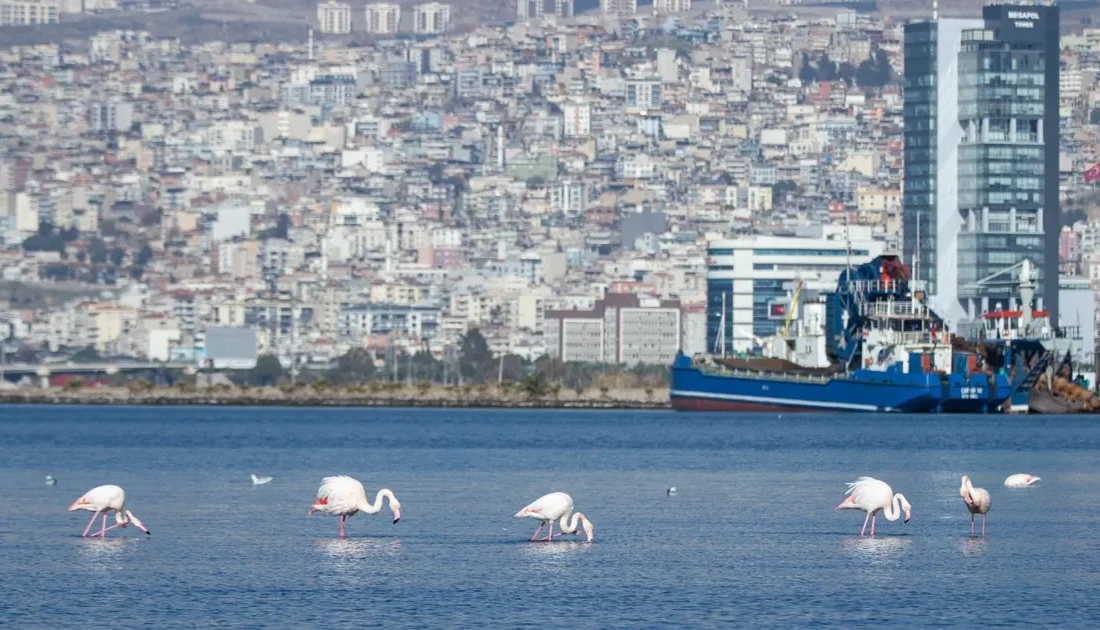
[874,496]
[103,499]
[1020,480]
[344,497]
[554,506]
[977,501]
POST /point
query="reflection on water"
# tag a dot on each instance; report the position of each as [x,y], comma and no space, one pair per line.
[98,554]
[552,551]
[358,548]
[973,547]
[877,548]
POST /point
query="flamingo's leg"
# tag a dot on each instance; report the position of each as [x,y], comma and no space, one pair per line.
[90,524]
[343,517]
[873,524]
[983,524]
[103,529]
[533,536]
[865,519]
[550,536]
[972,524]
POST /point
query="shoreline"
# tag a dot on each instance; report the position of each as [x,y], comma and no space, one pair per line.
[277,398]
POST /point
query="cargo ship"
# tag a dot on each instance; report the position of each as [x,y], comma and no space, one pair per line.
[887,350]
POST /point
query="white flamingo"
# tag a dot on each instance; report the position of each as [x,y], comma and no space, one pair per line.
[345,497]
[555,506]
[1020,480]
[874,496]
[103,499]
[977,501]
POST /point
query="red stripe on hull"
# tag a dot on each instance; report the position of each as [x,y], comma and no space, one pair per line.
[708,404]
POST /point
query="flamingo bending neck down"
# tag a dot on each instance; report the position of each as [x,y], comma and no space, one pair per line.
[874,496]
[344,497]
[977,501]
[552,507]
[103,499]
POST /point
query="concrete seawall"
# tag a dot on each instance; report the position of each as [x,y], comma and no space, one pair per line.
[308,398]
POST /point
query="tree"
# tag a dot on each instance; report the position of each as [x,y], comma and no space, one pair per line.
[806,72]
[267,372]
[87,354]
[117,255]
[97,251]
[144,255]
[826,68]
[1094,117]
[354,367]
[846,72]
[475,360]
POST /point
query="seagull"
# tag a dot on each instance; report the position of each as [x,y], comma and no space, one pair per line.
[259,481]
[50,481]
[671,491]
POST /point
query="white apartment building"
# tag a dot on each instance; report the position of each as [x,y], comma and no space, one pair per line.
[526,9]
[576,119]
[383,18]
[569,197]
[618,8]
[671,6]
[334,17]
[27,12]
[622,328]
[233,135]
[431,18]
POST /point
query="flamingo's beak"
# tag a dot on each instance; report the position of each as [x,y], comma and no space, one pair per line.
[396,515]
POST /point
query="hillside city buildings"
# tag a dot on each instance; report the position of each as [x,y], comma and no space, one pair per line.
[616,186]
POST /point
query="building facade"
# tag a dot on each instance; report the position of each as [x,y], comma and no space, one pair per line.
[671,6]
[750,280]
[432,18]
[618,8]
[622,328]
[981,156]
[334,17]
[28,12]
[383,18]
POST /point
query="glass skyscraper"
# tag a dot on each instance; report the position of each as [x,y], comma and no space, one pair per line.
[981,155]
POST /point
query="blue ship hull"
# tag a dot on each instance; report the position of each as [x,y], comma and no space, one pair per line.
[695,390]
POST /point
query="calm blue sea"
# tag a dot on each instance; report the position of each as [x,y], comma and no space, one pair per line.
[750,539]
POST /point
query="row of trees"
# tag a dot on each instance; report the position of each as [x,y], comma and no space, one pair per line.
[875,71]
[473,365]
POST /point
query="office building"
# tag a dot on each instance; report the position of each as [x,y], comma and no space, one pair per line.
[622,328]
[383,18]
[334,18]
[750,279]
[618,8]
[981,156]
[432,18]
[671,6]
[28,12]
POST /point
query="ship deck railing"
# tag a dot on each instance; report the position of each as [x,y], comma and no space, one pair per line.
[803,377]
[902,310]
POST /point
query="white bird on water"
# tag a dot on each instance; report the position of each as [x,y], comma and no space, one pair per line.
[345,497]
[103,499]
[1020,480]
[977,501]
[555,506]
[671,491]
[261,480]
[874,496]
[50,481]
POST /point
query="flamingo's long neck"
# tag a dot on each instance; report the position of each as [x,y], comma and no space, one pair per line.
[375,508]
[570,526]
[893,511]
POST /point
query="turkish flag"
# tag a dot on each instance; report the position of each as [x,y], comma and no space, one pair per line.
[1092,174]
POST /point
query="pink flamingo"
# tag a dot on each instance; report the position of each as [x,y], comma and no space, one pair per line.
[345,497]
[977,501]
[554,506]
[103,499]
[874,496]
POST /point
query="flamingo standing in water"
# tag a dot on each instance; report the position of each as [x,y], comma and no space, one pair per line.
[344,497]
[1020,480]
[977,501]
[874,496]
[103,499]
[554,506]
